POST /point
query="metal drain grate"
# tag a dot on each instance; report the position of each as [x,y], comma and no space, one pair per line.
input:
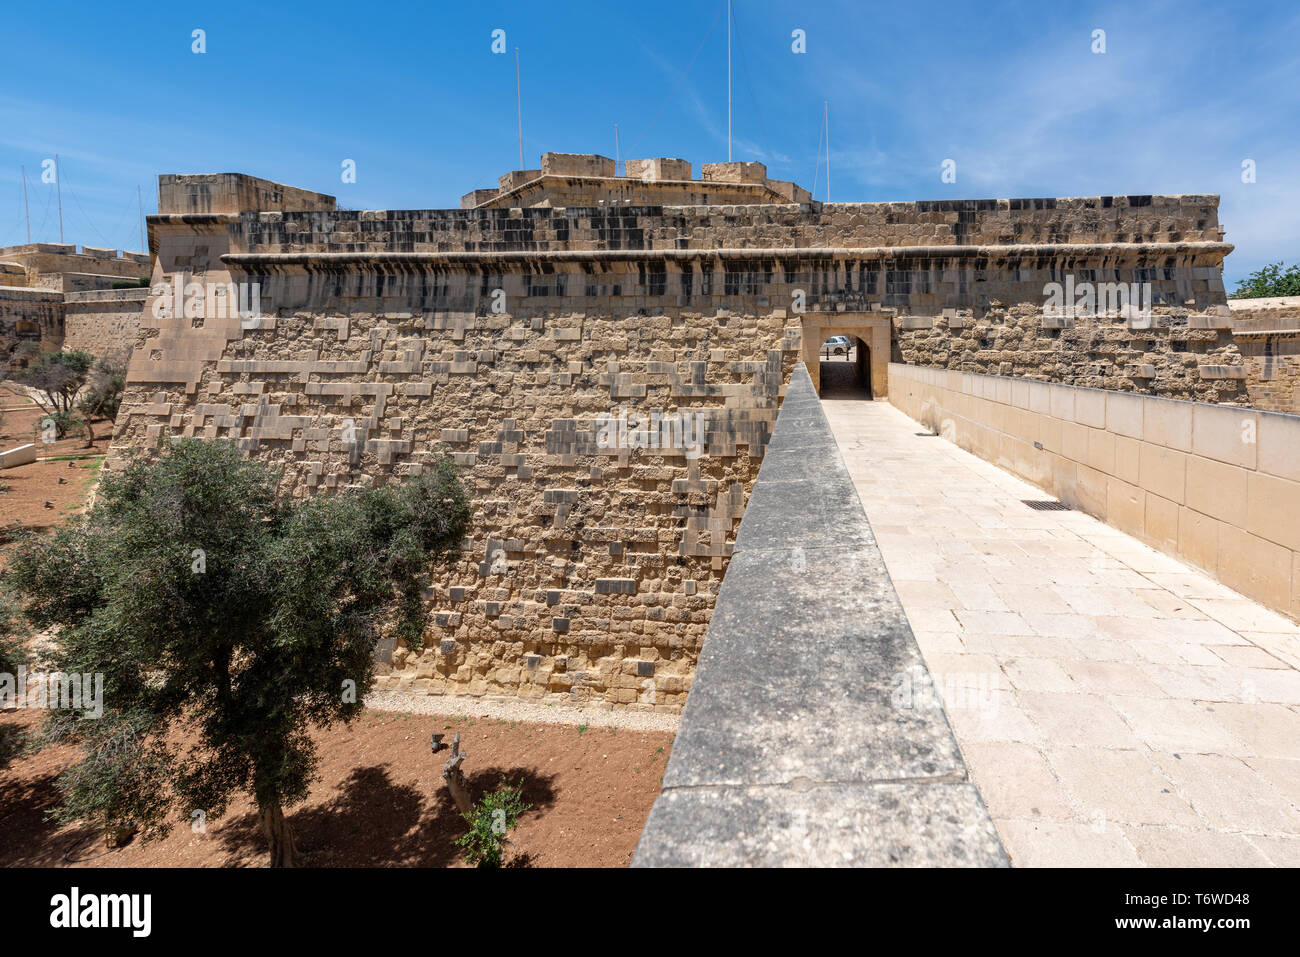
[1046,506]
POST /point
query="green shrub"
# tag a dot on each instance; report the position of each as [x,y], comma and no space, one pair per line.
[494,816]
[12,656]
[64,425]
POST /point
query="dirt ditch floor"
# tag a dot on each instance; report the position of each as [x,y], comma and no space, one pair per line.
[25,489]
[380,800]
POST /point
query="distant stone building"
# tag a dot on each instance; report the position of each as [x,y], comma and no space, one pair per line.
[605,355]
[1267,333]
[58,297]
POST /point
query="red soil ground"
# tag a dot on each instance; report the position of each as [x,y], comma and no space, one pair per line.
[27,488]
[381,802]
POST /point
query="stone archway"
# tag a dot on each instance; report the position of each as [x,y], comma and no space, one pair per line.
[873,329]
[845,374]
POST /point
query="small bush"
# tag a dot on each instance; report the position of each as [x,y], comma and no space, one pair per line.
[65,425]
[12,656]
[1271,280]
[494,816]
[103,394]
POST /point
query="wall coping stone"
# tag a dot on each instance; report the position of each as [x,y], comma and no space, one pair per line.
[343,259]
[791,749]
[129,294]
[904,369]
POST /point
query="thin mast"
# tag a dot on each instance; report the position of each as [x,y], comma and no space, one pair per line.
[139,202]
[519,110]
[26,210]
[826,117]
[58,186]
[728,81]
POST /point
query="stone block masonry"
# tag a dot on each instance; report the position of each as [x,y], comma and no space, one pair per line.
[591,568]
[580,557]
[103,322]
[1267,333]
[1181,354]
[29,315]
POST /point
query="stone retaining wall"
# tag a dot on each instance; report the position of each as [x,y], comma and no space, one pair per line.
[29,315]
[1213,485]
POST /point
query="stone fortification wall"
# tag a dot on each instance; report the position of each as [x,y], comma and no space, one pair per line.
[103,322]
[566,357]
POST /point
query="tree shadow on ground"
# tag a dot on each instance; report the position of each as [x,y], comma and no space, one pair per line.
[31,840]
[373,821]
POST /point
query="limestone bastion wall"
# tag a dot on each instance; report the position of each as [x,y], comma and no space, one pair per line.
[1267,332]
[589,571]
[503,336]
[964,279]
[103,322]
[46,286]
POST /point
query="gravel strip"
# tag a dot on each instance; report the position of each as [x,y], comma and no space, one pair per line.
[517,709]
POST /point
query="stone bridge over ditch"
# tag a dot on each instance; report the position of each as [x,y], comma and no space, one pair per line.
[1113,645]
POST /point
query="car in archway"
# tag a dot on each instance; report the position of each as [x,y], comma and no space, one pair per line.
[837,345]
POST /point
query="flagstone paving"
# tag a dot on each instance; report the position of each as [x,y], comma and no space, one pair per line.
[1114,706]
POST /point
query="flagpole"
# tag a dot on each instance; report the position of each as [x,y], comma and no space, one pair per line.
[728,81]
[58,186]
[519,110]
[26,209]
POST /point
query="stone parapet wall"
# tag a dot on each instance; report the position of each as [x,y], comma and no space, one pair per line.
[12,275]
[615,192]
[1265,314]
[1096,221]
[52,274]
[207,193]
[578,179]
[46,262]
[1212,485]
[796,747]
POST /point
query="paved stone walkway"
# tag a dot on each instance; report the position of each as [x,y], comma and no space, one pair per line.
[1115,707]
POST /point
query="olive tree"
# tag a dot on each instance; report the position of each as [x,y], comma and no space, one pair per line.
[103,393]
[57,377]
[228,620]
[12,656]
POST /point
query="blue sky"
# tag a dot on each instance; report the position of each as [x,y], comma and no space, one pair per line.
[1011,91]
